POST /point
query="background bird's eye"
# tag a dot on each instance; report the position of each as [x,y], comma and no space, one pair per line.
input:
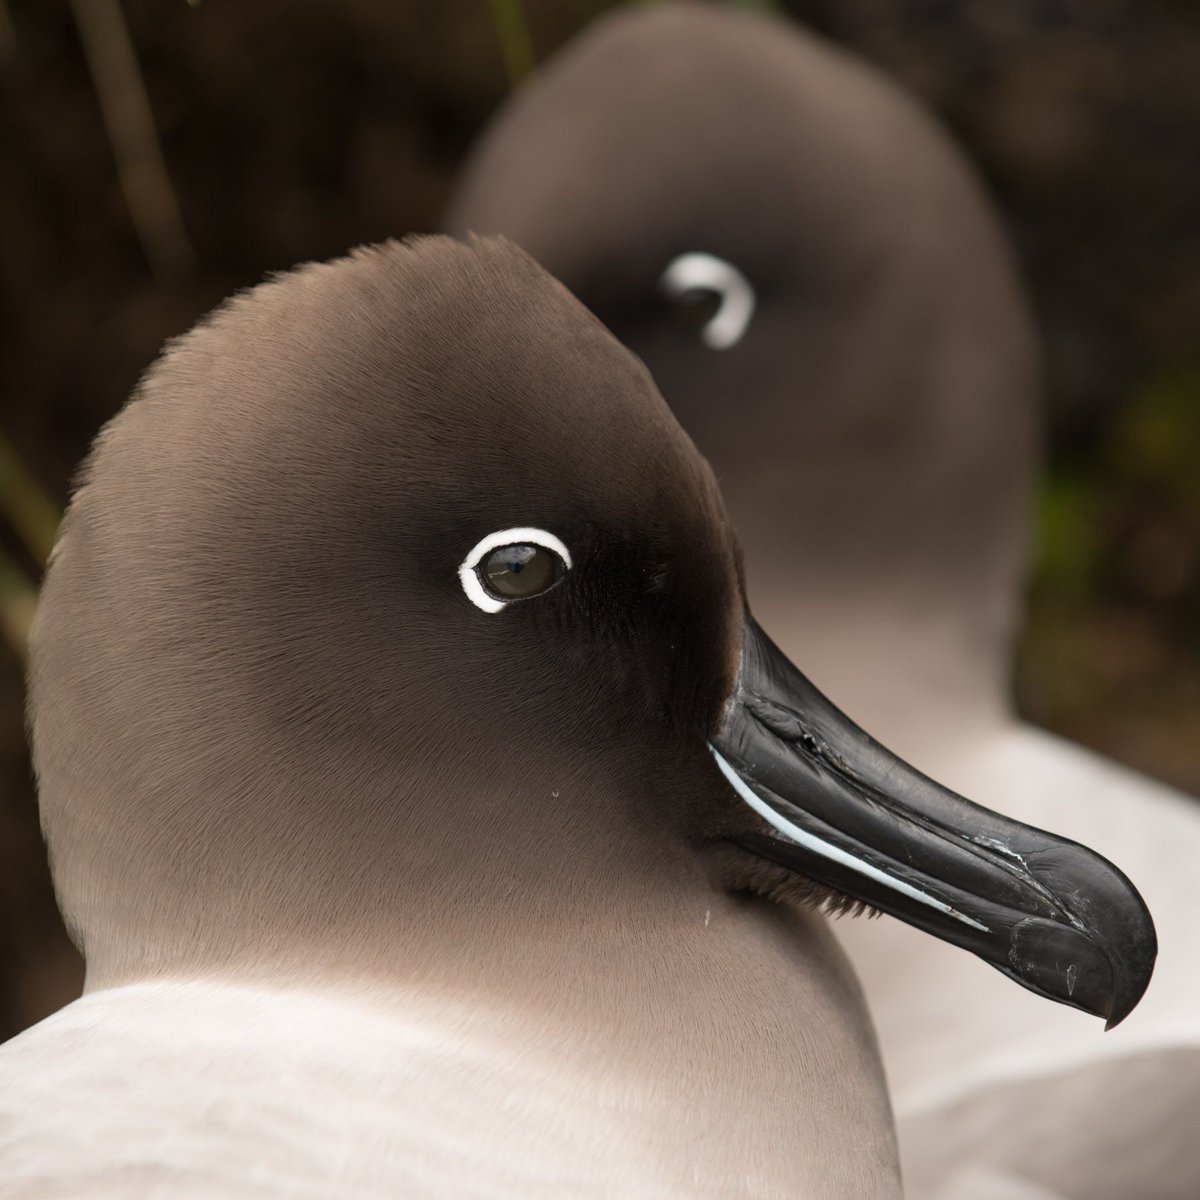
[522,570]
[512,564]
[711,294]
[695,308]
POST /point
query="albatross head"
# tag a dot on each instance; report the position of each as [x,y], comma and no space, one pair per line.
[397,593]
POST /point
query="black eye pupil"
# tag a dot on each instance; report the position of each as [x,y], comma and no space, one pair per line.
[519,571]
[697,306]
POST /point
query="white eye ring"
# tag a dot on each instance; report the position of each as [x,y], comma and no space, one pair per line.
[707,272]
[469,576]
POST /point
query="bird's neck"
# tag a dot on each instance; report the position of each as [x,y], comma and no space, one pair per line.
[631,975]
[916,667]
[692,1035]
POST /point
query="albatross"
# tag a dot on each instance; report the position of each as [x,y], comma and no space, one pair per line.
[433,816]
[821,291]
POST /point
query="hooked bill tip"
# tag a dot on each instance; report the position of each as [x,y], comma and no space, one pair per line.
[1067,964]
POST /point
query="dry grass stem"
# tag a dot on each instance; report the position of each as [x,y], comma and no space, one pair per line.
[33,516]
[18,602]
[8,35]
[130,125]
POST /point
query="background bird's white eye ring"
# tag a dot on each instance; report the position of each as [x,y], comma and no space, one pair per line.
[520,538]
[697,272]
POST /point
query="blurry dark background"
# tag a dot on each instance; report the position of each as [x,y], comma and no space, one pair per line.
[158,155]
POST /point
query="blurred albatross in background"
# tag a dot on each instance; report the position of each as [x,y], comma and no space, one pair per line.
[821,291]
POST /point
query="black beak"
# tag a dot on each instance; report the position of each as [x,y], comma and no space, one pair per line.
[1049,913]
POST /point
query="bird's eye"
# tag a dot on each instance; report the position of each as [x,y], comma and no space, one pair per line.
[516,572]
[714,292]
[513,564]
[696,307]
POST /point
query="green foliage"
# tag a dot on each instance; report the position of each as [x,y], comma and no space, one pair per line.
[1158,437]
[515,43]
[1124,524]
[1069,542]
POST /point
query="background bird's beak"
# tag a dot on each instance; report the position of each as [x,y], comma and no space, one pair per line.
[840,808]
